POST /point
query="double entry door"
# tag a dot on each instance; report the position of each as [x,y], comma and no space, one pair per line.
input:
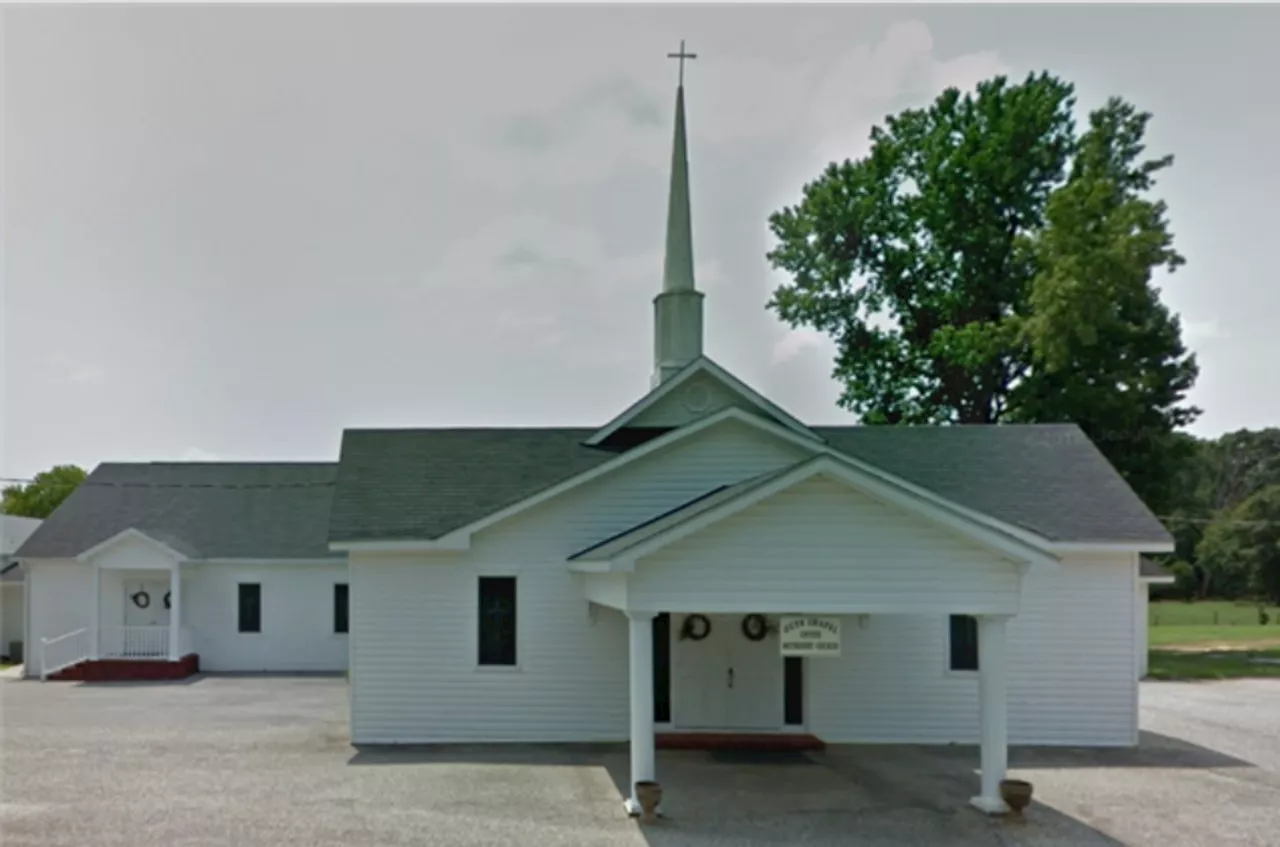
[726,680]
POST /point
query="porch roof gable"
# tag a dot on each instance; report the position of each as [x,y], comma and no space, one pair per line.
[620,552]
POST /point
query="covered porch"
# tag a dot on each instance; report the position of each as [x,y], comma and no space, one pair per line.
[753,589]
[134,616]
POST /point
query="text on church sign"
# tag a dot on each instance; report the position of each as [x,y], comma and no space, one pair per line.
[810,636]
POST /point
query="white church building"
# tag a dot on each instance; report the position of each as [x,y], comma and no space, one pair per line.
[703,563]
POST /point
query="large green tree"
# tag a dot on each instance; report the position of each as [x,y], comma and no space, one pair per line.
[44,493]
[986,262]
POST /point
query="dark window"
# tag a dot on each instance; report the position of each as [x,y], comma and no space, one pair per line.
[964,643]
[497,620]
[250,607]
[793,691]
[662,668]
[340,601]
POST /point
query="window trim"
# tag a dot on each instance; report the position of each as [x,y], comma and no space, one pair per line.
[346,608]
[965,673]
[240,630]
[483,667]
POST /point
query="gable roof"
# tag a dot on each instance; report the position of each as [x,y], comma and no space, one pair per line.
[1152,571]
[701,365]
[401,485]
[204,510]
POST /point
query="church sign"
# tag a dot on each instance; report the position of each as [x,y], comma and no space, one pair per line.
[810,636]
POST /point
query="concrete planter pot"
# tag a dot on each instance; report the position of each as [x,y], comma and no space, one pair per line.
[649,795]
[1016,793]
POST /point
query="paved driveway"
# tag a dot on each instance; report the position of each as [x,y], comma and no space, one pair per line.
[264,761]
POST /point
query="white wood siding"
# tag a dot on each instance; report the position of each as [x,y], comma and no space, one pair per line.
[413,666]
[820,546]
[297,617]
[60,591]
[297,611]
[672,411]
[414,622]
[1142,597]
[1071,675]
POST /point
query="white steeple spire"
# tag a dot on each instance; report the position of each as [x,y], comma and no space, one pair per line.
[677,311]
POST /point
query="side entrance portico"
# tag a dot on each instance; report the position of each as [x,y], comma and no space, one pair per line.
[818,539]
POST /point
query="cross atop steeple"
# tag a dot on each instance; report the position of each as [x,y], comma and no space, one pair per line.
[682,56]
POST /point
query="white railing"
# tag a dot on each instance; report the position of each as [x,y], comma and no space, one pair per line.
[63,651]
[133,642]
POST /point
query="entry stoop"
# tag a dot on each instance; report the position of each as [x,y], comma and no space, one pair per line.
[129,670]
[745,741]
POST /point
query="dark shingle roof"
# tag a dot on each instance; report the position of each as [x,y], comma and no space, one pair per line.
[422,483]
[205,510]
[413,484]
[1151,569]
[1048,478]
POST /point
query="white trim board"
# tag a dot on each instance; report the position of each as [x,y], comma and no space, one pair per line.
[132,533]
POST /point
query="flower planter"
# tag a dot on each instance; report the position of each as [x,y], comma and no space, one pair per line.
[649,795]
[1016,793]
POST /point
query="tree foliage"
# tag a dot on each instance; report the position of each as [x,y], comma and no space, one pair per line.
[985,262]
[1241,551]
[1221,475]
[44,493]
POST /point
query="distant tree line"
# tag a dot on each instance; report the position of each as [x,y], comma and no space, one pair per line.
[1226,519]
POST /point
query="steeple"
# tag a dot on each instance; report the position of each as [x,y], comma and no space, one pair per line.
[677,310]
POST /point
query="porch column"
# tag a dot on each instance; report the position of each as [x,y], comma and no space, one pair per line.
[95,603]
[642,743]
[175,612]
[993,710]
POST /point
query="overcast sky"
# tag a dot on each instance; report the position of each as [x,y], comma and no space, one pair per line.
[231,232]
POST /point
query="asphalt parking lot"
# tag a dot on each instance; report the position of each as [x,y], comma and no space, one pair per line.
[264,761]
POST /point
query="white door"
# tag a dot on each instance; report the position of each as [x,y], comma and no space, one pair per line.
[144,602]
[726,680]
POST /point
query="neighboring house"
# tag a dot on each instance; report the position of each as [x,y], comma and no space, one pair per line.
[13,531]
[224,561]
[927,584]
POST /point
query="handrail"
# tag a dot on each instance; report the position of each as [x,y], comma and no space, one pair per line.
[64,636]
[73,653]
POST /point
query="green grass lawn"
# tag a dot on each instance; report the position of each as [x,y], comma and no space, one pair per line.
[1165,636]
[1236,664]
[1174,623]
[1208,613]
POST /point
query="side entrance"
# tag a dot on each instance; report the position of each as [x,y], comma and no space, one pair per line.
[723,680]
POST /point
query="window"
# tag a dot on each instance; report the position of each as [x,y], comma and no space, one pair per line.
[340,607]
[964,643]
[250,607]
[498,620]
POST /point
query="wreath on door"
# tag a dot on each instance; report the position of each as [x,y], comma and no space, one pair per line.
[166,599]
[755,627]
[695,628]
[141,599]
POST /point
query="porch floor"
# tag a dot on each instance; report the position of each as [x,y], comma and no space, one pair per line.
[746,741]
